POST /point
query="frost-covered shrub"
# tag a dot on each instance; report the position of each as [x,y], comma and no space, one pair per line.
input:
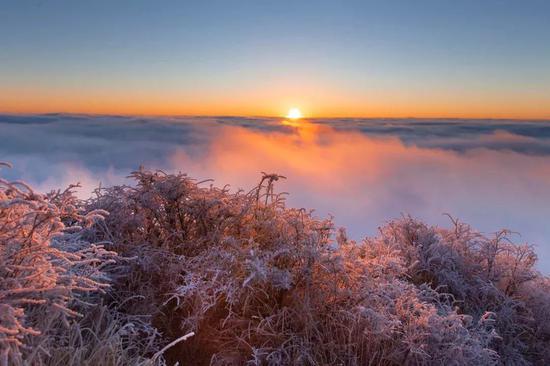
[48,276]
[485,275]
[206,276]
[260,283]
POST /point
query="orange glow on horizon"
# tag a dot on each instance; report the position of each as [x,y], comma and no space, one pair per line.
[319,101]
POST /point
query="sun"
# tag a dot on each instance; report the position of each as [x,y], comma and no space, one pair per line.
[294,113]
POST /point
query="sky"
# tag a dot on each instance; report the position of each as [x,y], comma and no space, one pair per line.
[425,58]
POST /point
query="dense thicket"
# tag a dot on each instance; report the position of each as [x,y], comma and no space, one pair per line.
[172,270]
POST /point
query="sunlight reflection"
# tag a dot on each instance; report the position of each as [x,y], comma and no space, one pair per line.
[292,123]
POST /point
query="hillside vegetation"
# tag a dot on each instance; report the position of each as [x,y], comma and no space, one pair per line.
[173,271]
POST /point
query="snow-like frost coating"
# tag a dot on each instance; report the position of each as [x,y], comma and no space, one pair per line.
[203,275]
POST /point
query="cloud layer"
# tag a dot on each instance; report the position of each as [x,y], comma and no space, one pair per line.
[492,173]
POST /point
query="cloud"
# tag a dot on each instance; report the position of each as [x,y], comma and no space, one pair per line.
[364,180]
[453,134]
[491,174]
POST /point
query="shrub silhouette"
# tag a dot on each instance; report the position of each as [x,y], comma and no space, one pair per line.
[203,275]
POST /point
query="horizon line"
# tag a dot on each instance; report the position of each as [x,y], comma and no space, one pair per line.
[544,119]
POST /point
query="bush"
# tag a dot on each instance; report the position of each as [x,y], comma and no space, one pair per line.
[234,278]
[49,275]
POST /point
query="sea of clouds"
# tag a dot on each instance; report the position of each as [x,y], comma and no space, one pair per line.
[489,173]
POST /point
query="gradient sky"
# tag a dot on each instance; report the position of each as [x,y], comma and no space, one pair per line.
[423,58]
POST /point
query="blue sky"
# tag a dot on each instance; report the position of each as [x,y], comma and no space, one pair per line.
[467,54]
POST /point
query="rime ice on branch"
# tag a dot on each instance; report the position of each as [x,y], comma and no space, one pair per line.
[209,276]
